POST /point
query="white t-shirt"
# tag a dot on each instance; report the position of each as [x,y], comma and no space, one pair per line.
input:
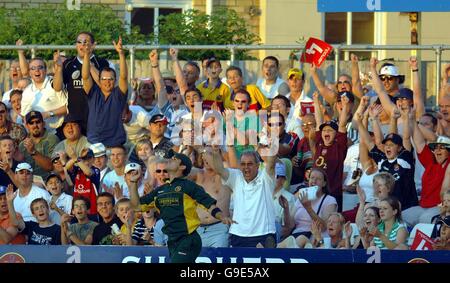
[253,208]
[43,100]
[111,178]
[136,128]
[270,91]
[22,204]
[64,202]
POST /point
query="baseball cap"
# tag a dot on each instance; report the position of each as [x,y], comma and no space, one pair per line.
[186,161]
[391,70]
[24,166]
[280,170]
[33,115]
[404,93]
[349,94]
[442,140]
[158,118]
[131,167]
[2,190]
[98,149]
[394,138]
[212,60]
[55,155]
[87,153]
[295,72]
[70,118]
[51,175]
[331,124]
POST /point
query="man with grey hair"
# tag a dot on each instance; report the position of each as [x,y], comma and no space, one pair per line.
[253,212]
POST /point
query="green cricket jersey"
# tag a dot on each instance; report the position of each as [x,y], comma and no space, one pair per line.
[177,202]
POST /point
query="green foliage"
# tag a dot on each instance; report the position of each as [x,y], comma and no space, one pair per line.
[61,26]
[191,28]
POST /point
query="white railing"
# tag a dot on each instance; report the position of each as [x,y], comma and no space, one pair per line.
[233,48]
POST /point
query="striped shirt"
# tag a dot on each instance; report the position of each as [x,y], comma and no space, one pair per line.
[392,236]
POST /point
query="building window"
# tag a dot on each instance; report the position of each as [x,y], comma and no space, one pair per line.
[362,29]
[144,18]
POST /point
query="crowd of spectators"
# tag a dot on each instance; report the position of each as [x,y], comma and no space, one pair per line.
[81,144]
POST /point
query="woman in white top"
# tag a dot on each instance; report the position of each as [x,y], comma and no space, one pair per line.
[307,211]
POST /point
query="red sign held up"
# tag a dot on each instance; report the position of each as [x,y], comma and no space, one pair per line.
[422,242]
[316,51]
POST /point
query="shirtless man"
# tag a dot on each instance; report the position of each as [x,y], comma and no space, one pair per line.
[213,232]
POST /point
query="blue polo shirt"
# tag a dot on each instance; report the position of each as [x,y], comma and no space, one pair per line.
[105,117]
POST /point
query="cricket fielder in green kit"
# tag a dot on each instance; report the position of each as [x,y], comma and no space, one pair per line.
[177,201]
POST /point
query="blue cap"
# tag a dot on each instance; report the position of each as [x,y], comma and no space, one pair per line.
[2,190]
[404,93]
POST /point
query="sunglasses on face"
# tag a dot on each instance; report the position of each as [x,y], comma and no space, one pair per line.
[40,67]
[389,78]
[161,171]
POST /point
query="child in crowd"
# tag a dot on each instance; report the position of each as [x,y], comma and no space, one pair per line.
[147,230]
[85,176]
[60,202]
[42,232]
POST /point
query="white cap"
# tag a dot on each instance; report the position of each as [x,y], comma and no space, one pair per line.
[131,167]
[24,166]
[389,70]
[98,149]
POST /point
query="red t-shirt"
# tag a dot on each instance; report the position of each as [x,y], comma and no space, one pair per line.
[86,188]
[331,159]
[432,178]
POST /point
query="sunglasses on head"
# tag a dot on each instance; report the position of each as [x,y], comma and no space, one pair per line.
[389,78]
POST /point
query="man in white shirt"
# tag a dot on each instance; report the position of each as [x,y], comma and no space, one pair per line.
[254,212]
[117,176]
[271,84]
[27,192]
[45,95]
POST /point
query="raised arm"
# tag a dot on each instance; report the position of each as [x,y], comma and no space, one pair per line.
[419,104]
[14,220]
[160,86]
[22,59]
[318,115]
[328,94]
[123,79]
[58,78]
[214,159]
[356,81]
[406,117]
[344,114]
[374,112]
[86,68]
[418,139]
[446,183]
[394,116]
[379,88]
[363,133]
[179,76]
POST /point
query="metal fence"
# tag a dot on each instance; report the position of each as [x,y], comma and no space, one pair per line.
[438,49]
